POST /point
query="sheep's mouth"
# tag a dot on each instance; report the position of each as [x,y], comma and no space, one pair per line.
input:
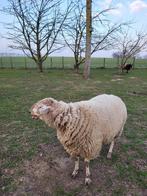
[35,117]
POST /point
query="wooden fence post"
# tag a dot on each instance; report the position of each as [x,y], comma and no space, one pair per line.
[11,62]
[25,58]
[1,62]
[104,62]
[62,62]
[117,62]
[51,62]
[133,62]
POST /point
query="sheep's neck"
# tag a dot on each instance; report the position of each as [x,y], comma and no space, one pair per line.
[61,118]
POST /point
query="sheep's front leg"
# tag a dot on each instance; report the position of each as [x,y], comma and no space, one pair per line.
[87,178]
[76,169]
[110,150]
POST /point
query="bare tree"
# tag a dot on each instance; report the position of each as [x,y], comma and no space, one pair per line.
[95,40]
[37,27]
[88,39]
[74,34]
[129,46]
[105,37]
[104,33]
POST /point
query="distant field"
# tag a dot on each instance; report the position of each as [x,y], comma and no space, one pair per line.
[63,62]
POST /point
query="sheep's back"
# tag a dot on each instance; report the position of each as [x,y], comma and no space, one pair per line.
[110,115]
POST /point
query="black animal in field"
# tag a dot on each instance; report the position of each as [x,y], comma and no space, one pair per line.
[126,67]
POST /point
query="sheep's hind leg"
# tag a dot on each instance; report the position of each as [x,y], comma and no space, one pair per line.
[120,133]
[87,178]
[76,169]
[110,150]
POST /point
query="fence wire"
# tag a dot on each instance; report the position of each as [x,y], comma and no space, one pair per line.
[63,63]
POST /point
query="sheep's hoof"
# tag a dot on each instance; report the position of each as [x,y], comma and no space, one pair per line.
[74,173]
[88,181]
[109,155]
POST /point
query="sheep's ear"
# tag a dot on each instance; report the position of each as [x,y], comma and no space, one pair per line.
[44,110]
[48,101]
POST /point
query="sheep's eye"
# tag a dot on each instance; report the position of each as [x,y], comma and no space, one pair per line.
[39,108]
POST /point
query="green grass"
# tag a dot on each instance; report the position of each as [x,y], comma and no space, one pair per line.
[20,136]
[66,62]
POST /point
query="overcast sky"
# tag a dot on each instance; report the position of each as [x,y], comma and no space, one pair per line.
[126,10]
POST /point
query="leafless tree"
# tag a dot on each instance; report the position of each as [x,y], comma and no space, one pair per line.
[37,27]
[129,45]
[74,34]
[95,38]
[104,33]
[104,38]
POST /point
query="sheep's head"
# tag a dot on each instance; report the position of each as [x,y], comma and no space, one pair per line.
[43,109]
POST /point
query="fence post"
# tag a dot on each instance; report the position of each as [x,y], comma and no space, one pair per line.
[133,62]
[51,62]
[62,62]
[104,62]
[117,62]
[25,58]
[11,62]
[1,62]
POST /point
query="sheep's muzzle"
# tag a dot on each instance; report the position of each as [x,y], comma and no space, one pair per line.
[34,116]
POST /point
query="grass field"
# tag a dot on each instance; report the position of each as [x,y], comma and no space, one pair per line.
[66,62]
[32,160]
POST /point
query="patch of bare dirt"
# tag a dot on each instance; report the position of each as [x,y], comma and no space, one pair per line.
[145,146]
[140,164]
[51,170]
[47,171]
[118,79]
[133,77]
[134,93]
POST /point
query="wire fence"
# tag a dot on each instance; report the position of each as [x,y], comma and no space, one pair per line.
[64,63]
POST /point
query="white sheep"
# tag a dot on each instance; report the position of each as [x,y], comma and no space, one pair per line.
[82,127]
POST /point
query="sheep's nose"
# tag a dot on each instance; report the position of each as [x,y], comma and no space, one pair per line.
[34,117]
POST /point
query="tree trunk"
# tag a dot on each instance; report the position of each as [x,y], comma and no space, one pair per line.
[76,65]
[88,40]
[39,64]
[76,68]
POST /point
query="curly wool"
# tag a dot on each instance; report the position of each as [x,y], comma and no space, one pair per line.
[82,127]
